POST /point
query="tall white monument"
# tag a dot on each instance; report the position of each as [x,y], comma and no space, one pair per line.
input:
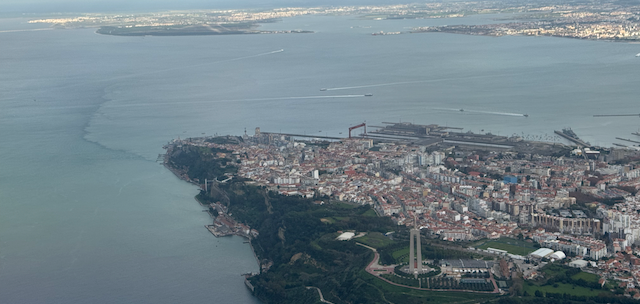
[415,260]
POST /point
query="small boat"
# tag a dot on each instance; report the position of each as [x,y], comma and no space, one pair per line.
[638,55]
[461,110]
[323,89]
[369,94]
[525,115]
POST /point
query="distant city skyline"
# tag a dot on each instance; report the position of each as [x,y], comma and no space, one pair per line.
[90,6]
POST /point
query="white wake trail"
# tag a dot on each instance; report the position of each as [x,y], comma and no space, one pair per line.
[234,100]
[416,81]
[27,30]
[482,112]
[196,65]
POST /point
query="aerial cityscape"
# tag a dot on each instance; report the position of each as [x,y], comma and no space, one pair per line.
[353,151]
[577,205]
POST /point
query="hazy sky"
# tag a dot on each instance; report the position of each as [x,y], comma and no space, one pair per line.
[45,6]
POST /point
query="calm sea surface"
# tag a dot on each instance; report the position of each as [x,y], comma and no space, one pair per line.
[88,216]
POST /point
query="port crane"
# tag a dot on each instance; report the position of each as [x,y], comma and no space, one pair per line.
[358,126]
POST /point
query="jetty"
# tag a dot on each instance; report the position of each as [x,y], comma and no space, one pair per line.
[629,140]
[569,135]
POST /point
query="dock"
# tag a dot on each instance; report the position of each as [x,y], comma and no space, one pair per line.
[577,141]
[303,135]
[629,140]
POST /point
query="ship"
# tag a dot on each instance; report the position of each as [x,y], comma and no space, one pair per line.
[525,115]
[323,89]
[638,55]
[368,94]
[461,110]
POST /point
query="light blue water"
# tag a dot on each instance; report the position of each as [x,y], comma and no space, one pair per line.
[87,216]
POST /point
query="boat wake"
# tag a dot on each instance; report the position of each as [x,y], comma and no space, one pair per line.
[234,100]
[198,65]
[484,112]
[415,81]
[27,30]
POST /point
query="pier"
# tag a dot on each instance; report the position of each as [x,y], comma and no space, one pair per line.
[629,140]
[572,139]
[443,137]
[303,135]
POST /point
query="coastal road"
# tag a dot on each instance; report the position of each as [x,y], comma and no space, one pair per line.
[320,293]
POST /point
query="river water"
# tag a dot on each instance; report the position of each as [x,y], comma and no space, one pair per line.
[88,216]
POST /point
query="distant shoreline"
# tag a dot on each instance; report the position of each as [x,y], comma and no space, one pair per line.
[196,30]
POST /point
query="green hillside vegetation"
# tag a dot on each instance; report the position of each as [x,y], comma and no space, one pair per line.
[200,163]
[303,248]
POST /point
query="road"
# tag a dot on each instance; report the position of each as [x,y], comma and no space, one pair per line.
[320,293]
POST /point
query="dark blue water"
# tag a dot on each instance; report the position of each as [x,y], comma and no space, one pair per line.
[88,216]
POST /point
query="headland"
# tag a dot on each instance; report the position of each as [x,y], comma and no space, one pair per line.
[482,204]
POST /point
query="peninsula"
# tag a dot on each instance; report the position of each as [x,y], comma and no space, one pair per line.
[494,223]
[596,20]
[190,30]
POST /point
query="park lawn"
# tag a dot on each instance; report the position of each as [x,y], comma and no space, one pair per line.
[370,212]
[552,270]
[564,288]
[589,277]
[512,246]
[375,240]
[342,205]
[401,255]
[398,294]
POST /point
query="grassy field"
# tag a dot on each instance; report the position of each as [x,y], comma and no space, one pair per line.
[374,239]
[328,220]
[589,277]
[370,212]
[333,220]
[342,205]
[563,288]
[512,246]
